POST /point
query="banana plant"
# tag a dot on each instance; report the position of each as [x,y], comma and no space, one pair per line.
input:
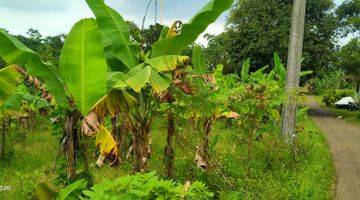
[9,79]
[13,52]
[191,30]
[11,101]
[156,69]
[81,80]
[98,57]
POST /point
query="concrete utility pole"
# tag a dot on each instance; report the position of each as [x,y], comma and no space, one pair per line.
[293,69]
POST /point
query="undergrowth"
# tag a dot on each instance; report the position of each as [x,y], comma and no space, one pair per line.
[274,173]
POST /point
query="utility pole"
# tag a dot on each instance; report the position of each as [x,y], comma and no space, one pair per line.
[161,11]
[293,69]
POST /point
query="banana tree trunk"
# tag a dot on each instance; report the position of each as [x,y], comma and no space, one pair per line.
[123,131]
[116,131]
[5,125]
[119,131]
[2,143]
[169,150]
[141,144]
[138,152]
[70,129]
[207,127]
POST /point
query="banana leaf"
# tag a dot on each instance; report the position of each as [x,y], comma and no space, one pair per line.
[191,30]
[83,65]
[115,37]
[144,74]
[9,79]
[199,61]
[167,63]
[14,52]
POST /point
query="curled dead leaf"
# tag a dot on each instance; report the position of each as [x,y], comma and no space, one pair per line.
[90,124]
[107,145]
[199,159]
[230,115]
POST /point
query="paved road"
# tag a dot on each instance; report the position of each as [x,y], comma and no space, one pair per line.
[344,142]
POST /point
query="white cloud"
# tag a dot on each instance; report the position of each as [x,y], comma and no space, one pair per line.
[214,29]
[54,5]
[53,17]
[48,22]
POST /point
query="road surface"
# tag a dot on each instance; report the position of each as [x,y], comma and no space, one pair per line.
[344,142]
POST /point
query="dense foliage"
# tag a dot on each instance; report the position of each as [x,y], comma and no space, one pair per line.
[147,106]
[348,15]
[139,186]
[256,29]
[349,61]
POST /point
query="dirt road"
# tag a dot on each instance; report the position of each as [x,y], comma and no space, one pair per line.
[344,142]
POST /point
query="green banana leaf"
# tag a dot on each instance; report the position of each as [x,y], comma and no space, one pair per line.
[144,74]
[164,33]
[147,72]
[15,102]
[199,61]
[83,65]
[50,75]
[167,63]
[191,30]
[245,70]
[14,52]
[9,79]
[116,81]
[115,36]
[72,191]
[279,68]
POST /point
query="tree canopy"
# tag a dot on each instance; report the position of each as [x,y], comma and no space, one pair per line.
[350,59]
[348,15]
[256,30]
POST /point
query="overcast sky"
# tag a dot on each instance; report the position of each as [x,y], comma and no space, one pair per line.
[52,17]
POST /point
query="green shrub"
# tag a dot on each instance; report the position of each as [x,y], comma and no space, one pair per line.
[139,186]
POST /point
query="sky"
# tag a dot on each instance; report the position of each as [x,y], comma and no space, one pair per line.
[53,17]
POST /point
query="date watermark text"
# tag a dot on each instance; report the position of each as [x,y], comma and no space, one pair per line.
[5,188]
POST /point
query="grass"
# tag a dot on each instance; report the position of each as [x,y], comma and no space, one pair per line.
[30,161]
[276,172]
[350,116]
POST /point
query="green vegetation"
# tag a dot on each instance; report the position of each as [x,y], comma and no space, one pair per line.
[310,175]
[256,30]
[139,186]
[119,112]
[29,159]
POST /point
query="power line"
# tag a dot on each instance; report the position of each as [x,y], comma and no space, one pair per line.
[156,8]
[146,11]
[161,11]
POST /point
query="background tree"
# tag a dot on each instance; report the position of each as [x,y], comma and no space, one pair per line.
[48,47]
[348,14]
[350,62]
[216,52]
[145,37]
[257,29]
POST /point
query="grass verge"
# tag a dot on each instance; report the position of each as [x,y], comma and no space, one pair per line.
[274,171]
